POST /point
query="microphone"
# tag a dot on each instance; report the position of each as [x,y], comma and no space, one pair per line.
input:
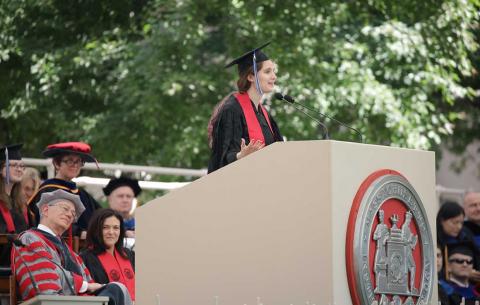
[299,107]
[17,244]
[291,100]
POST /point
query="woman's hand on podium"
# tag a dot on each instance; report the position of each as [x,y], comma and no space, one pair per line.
[252,147]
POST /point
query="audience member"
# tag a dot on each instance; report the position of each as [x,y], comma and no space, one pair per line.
[24,191]
[450,230]
[10,220]
[12,172]
[459,265]
[56,267]
[471,205]
[450,227]
[68,160]
[105,257]
[121,193]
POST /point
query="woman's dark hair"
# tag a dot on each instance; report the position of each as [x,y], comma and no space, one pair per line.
[448,210]
[95,232]
[4,198]
[57,159]
[17,198]
[213,119]
[243,84]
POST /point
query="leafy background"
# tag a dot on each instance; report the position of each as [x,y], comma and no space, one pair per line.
[138,79]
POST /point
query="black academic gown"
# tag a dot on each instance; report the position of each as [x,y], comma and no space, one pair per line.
[475,229]
[20,226]
[95,267]
[18,221]
[229,129]
[88,201]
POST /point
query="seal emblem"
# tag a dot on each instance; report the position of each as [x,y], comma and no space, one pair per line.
[128,273]
[114,275]
[389,250]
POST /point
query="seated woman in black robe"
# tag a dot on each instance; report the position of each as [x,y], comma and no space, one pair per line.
[11,222]
[105,257]
[240,125]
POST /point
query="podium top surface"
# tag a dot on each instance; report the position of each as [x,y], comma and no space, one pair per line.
[62,299]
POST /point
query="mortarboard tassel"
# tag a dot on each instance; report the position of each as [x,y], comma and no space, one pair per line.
[7,167]
[257,83]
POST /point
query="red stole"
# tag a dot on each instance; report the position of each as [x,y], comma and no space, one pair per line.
[8,218]
[254,129]
[25,216]
[118,269]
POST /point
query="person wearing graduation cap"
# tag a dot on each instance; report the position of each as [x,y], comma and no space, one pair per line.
[68,159]
[240,124]
[121,193]
[459,265]
[12,171]
[11,221]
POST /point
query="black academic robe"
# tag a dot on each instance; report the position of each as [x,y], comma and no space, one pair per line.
[475,229]
[95,267]
[88,201]
[20,226]
[229,129]
[18,221]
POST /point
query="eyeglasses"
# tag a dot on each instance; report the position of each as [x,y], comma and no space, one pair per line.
[71,162]
[17,166]
[66,210]
[461,261]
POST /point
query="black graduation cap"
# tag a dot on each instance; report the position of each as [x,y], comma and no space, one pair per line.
[464,247]
[13,152]
[10,152]
[122,181]
[246,60]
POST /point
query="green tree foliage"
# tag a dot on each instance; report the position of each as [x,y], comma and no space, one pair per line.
[138,79]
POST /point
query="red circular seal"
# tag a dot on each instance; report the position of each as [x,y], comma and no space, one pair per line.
[128,273]
[389,248]
[114,275]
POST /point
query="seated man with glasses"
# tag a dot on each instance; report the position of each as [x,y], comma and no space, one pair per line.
[459,266]
[44,264]
[68,160]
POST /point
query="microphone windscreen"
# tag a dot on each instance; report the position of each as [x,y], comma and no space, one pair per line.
[289,99]
[278,96]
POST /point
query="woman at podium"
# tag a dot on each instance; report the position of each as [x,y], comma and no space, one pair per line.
[240,125]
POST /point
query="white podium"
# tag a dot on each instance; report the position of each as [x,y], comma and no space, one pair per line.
[268,229]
